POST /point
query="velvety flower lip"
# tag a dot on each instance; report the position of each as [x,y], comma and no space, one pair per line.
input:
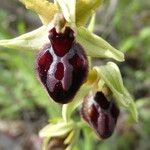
[62,66]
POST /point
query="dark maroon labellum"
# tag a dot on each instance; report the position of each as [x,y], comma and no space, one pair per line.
[62,65]
[100,114]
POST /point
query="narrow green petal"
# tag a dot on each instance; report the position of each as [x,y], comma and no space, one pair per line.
[84,9]
[72,139]
[32,41]
[92,23]
[68,9]
[112,77]
[43,8]
[95,46]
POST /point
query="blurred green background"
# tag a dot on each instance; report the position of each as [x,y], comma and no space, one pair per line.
[25,105]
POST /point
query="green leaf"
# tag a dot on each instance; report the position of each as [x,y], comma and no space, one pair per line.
[78,99]
[60,128]
[111,75]
[33,40]
[43,8]
[95,46]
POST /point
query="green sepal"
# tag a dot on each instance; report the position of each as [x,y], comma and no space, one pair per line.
[59,129]
[71,139]
[95,46]
[33,40]
[43,8]
[111,75]
[47,10]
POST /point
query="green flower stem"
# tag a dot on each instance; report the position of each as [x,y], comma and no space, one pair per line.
[88,139]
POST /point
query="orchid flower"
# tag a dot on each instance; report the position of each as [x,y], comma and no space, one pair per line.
[77,14]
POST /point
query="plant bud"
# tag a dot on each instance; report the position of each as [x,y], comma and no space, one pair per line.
[56,144]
